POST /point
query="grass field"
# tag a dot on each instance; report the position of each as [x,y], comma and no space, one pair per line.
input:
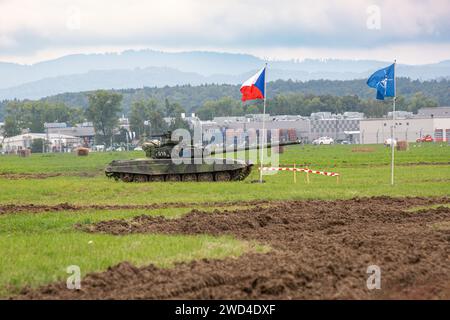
[36,248]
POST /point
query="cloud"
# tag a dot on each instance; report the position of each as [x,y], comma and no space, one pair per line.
[27,26]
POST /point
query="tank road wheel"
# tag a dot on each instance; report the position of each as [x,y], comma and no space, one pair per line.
[223,176]
[189,177]
[236,175]
[140,178]
[173,177]
[114,175]
[126,177]
[205,177]
[159,178]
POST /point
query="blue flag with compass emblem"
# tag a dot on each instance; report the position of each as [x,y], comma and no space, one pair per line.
[384,81]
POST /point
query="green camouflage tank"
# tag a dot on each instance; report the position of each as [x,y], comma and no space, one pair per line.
[158,166]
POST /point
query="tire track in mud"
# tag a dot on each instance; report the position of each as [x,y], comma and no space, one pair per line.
[321,250]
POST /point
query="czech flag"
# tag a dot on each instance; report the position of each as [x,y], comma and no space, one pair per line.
[253,88]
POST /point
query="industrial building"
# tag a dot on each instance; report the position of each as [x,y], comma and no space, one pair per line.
[337,126]
[53,142]
[350,126]
[429,121]
[300,125]
[84,131]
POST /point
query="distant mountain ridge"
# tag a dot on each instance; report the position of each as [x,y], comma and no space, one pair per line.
[136,69]
[148,77]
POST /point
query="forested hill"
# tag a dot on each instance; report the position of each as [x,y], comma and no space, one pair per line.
[193,97]
[290,97]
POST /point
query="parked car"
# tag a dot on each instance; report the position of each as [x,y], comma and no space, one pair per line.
[98,147]
[342,141]
[388,142]
[427,138]
[323,140]
[138,149]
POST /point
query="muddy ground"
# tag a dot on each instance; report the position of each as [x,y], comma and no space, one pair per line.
[320,250]
[20,176]
[37,208]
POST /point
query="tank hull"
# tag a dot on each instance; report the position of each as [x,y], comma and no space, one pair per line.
[143,170]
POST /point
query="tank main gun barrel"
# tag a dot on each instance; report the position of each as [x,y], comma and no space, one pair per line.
[252,147]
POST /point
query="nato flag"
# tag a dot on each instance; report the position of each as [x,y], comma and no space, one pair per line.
[384,81]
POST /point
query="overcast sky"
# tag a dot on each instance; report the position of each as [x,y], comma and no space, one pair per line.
[412,31]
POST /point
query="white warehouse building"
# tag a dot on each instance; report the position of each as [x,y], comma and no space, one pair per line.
[56,142]
[408,129]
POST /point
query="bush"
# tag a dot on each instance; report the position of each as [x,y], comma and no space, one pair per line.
[37,145]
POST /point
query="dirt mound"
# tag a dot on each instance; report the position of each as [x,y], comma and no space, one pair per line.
[278,217]
[19,176]
[32,208]
[36,208]
[321,249]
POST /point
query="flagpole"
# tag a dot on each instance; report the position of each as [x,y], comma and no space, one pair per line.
[263,135]
[393,127]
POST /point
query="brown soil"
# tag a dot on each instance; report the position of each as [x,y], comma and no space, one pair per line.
[363,149]
[18,176]
[321,249]
[37,208]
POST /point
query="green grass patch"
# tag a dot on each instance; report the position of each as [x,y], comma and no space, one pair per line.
[37,248]
[319,156]
[39,258]
[63,162]
[63,221]
[359,181]
[331,156]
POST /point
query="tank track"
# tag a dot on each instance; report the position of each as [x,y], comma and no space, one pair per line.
[219,176]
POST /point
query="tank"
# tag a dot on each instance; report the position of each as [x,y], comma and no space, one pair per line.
[158,166]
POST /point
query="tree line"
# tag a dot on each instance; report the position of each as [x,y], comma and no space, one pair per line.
[191,98]
[20,115]
[146,116]
[305,104]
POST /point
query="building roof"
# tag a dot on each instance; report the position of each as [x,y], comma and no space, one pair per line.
[74,131]
[434,112]
[49,125]
[405,119]
[51,136]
